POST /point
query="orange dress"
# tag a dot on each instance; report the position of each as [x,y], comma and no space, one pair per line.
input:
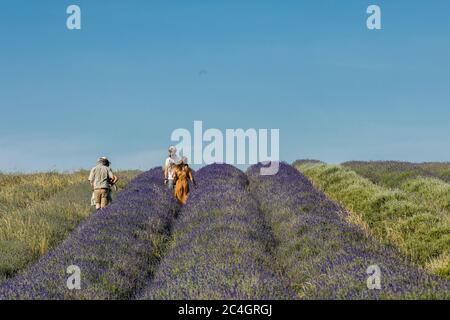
[182,175]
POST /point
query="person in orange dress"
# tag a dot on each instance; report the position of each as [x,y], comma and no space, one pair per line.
[182,175]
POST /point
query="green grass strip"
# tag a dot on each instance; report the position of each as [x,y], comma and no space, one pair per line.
[393,216]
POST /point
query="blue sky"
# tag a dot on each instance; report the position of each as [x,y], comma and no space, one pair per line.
[140,69]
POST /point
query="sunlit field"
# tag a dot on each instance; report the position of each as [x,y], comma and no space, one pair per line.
[400,204]
[309,232]
[38,211]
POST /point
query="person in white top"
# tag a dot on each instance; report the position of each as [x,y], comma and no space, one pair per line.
[171,161]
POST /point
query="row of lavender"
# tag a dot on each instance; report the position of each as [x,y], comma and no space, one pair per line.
[221,247]
[325,257]
[115,250]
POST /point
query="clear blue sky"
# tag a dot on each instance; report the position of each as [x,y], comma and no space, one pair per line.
[139,69]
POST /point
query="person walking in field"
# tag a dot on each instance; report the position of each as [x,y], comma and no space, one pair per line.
[182,175]
[102,179]
[169,167]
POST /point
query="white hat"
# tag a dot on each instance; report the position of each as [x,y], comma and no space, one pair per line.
[103,159]
[172,150]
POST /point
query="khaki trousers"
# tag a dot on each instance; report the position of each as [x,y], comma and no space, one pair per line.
[101,197]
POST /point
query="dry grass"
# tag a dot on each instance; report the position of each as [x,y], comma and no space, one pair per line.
[19,191]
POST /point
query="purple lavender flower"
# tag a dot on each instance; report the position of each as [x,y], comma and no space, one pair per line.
[116,249]
[324,257]
[221,248]
[239,237]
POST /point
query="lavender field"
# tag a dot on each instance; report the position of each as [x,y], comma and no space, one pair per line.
[116,249]
[240,236]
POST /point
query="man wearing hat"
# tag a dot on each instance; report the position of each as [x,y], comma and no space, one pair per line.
[102,179]
[169,167]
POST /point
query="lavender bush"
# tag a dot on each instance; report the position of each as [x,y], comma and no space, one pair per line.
[221,247]
[325,257]
[116,249]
